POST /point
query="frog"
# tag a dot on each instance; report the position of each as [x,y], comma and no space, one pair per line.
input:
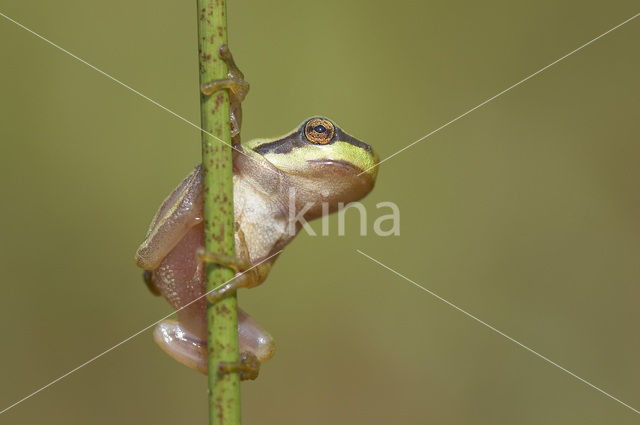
[278,185]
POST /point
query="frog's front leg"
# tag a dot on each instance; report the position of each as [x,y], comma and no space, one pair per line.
[247,275]
[243,279]
[256,346]
[238,90]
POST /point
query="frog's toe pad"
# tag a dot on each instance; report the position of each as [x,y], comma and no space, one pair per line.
[248,366]
[181,345]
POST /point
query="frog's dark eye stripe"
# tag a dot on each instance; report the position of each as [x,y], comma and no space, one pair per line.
[319,131]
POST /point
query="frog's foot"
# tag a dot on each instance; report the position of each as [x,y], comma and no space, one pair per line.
[235,264]
[238,90]
[237,86]
[235,81]
[191,351]
[247,276]
[248,366]
[256,346]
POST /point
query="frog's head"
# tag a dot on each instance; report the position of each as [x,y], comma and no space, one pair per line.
[321,162]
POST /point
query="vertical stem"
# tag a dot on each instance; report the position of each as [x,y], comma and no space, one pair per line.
[222,318]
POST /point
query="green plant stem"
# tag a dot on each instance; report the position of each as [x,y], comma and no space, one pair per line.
[222,317]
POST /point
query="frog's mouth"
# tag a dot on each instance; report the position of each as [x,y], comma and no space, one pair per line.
[345,169]
[339,162]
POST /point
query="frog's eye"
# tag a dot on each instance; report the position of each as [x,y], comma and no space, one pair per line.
[319,131]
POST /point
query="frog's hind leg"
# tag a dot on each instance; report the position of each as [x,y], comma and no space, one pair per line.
[253,338]
[256,346]
[182,345]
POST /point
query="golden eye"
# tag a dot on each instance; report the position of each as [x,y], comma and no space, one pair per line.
[319,131]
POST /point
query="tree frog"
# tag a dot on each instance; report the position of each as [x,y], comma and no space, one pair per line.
[276,182]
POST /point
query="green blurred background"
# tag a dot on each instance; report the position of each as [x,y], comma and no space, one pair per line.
[524,213]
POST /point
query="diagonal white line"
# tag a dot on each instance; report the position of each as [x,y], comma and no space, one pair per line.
[504,91]
[498,331]
[128,87]
[91,360]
